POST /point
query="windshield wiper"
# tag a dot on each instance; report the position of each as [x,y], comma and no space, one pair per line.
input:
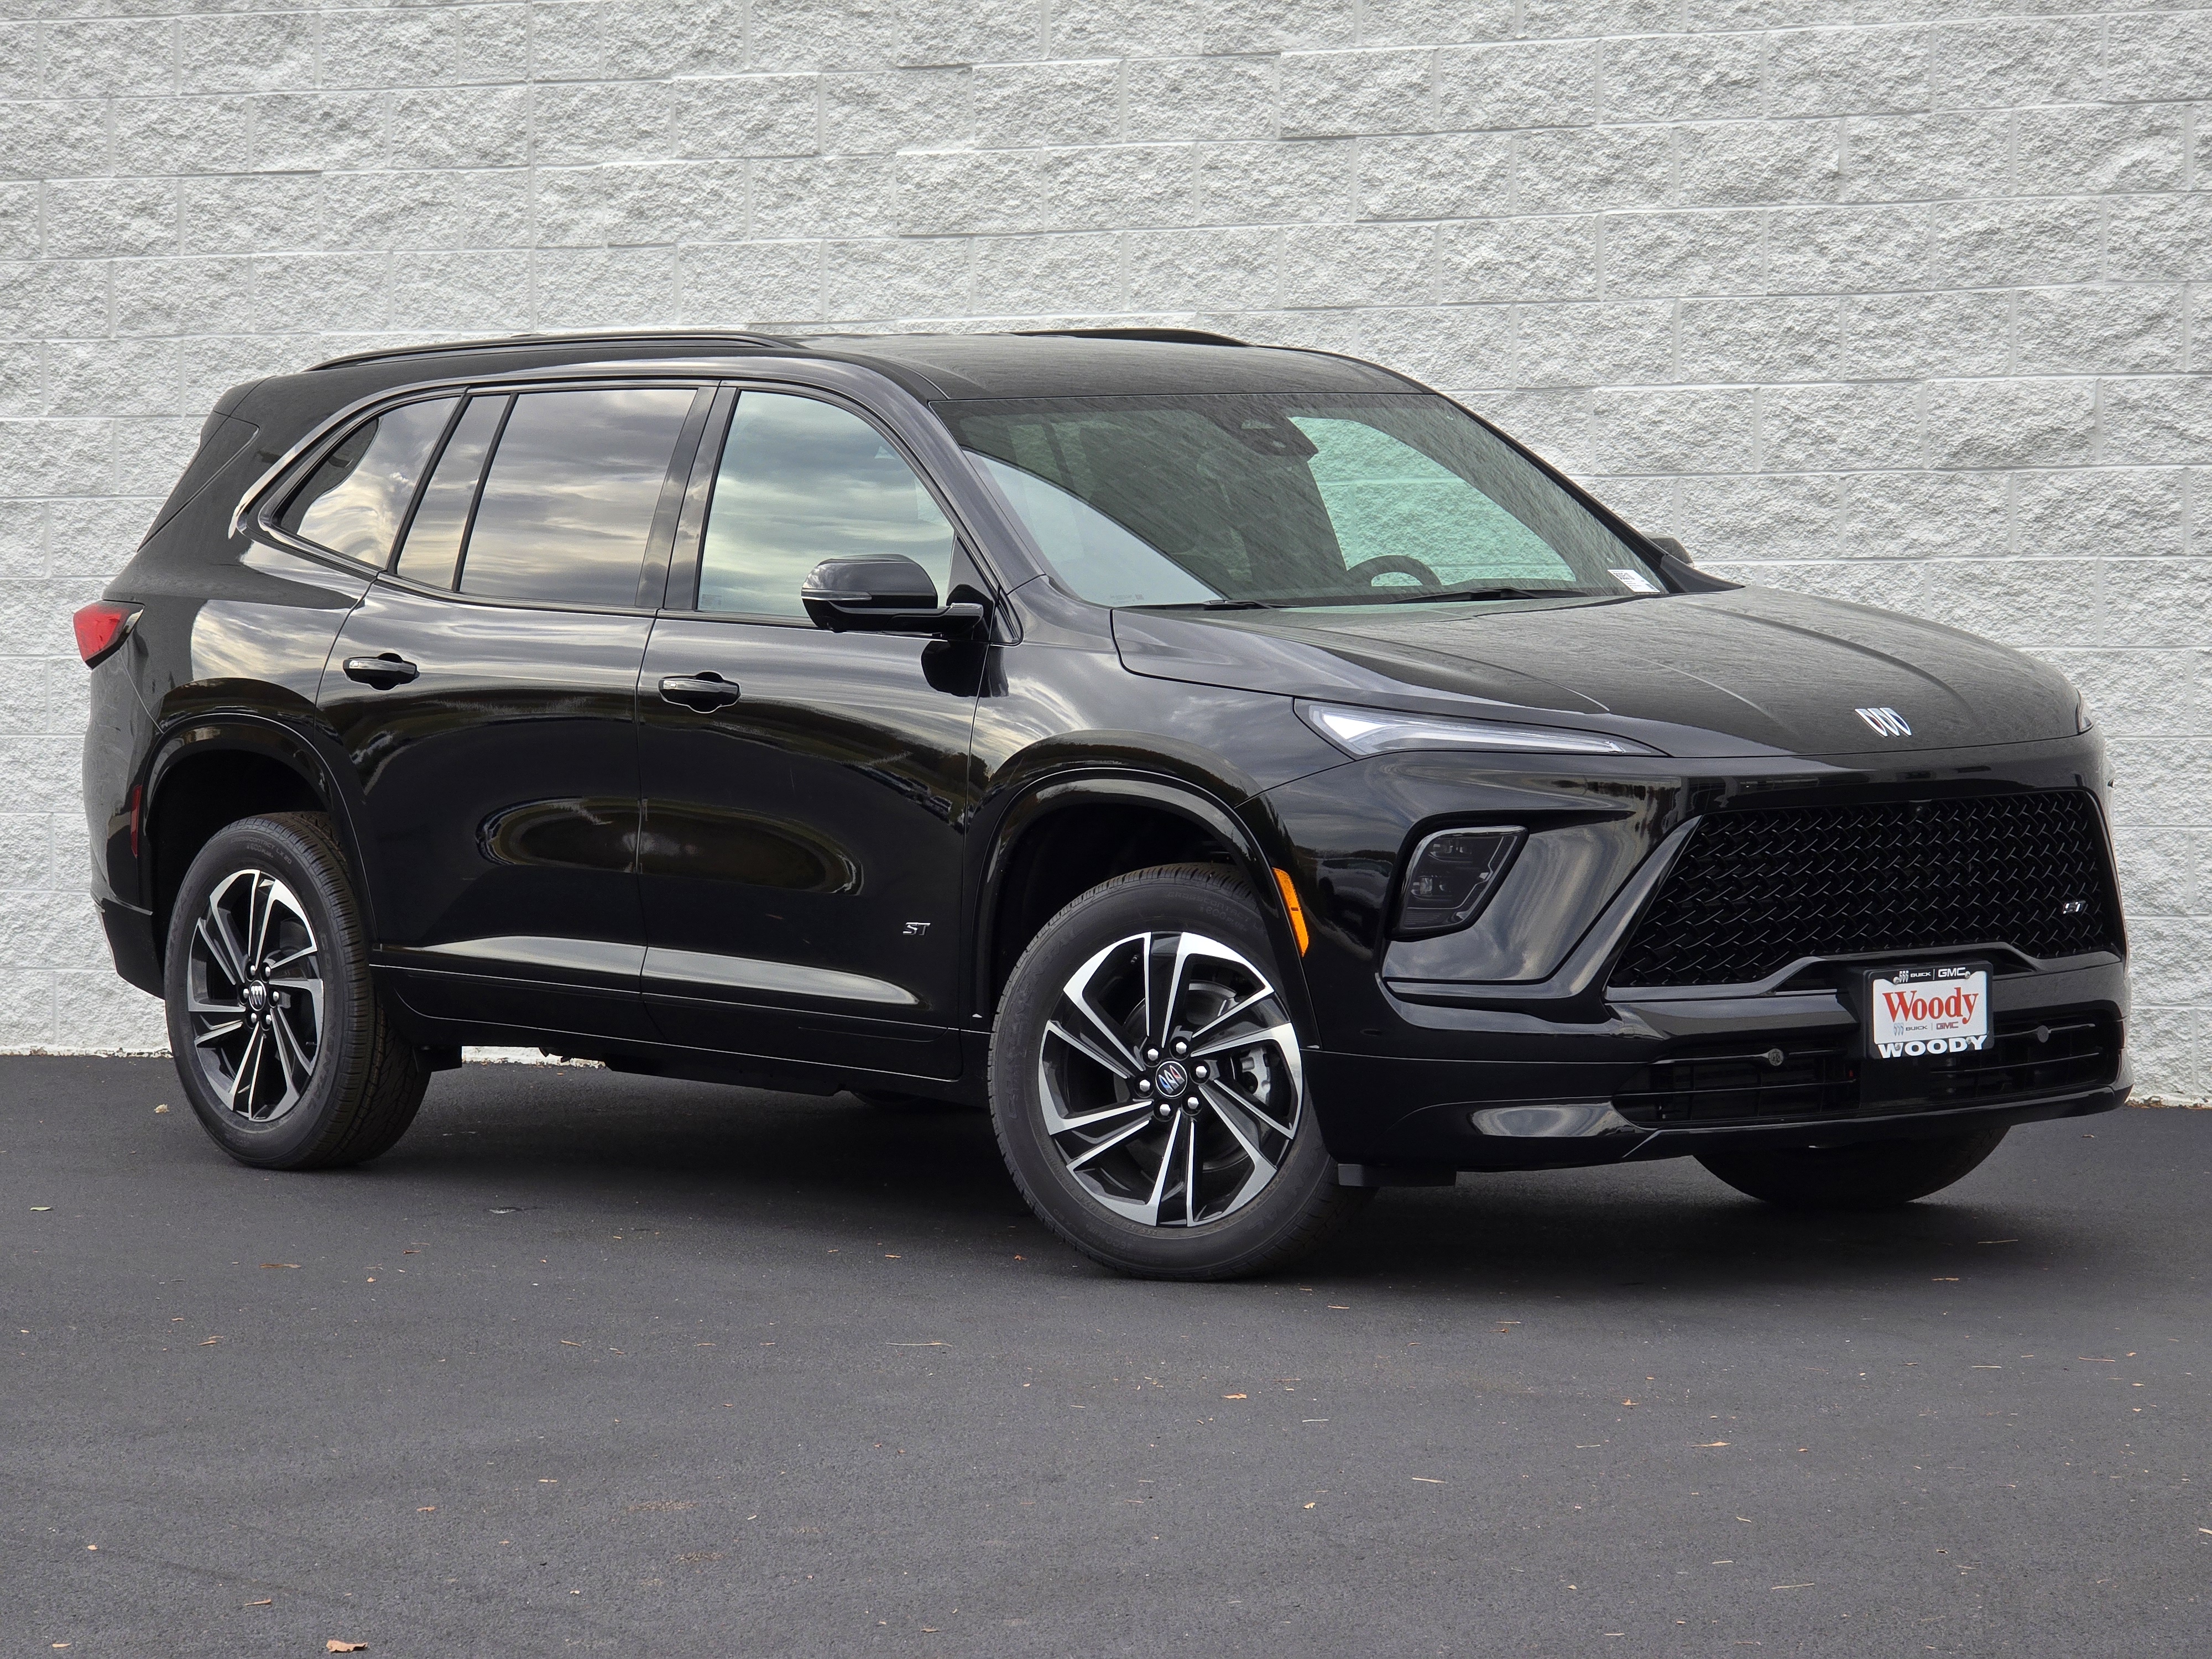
[1209,604]
[1482,593]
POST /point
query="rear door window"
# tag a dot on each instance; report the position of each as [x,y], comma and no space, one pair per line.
[432,552]
[802,481]
[356,498]
[568,505]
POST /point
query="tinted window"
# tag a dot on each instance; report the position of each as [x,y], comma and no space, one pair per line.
[802,481]
[354,502]
[568,505]
[432,549]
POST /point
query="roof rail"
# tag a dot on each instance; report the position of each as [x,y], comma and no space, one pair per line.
[1171,335]
[507,341]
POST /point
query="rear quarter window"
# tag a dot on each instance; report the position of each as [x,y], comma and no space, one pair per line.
[355,499]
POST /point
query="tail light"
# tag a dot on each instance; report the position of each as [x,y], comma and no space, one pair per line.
[100,626]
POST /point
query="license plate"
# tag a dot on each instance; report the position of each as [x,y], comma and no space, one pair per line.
[1913,1011]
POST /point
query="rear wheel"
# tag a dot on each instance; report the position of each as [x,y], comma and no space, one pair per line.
[1147,1087]
[282,1045]
[1874,1175]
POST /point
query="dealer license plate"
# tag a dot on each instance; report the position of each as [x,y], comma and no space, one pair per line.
[1913,1011]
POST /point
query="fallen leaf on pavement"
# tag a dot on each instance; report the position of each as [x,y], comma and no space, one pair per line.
[269,1602]
[280,1264]
[1236,1396]
[158,1110]
[211,1342]
[336,1646]
[1429,1479]
[1707,1445]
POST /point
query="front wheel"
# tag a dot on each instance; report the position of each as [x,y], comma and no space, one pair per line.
[1147,1086]
[1873,1174]
[282,1044]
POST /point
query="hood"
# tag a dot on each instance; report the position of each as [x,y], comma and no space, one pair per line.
[1748,671]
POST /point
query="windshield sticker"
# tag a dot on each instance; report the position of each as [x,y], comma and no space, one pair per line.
[1634,581]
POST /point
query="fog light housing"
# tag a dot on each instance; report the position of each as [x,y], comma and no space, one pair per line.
[1450,877]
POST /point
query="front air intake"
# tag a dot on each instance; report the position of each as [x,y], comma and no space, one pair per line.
[1755,891]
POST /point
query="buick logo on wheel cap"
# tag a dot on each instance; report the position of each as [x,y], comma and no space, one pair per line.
[1171,1077]
[1887,721]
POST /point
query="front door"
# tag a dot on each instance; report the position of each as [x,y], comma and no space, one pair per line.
[486,693]
[804,792]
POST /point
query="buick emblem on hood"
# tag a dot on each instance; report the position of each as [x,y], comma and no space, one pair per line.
[1887,721]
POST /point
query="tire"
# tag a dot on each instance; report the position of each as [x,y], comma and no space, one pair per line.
[1874,1175]
[1114,1178]
[284,1049]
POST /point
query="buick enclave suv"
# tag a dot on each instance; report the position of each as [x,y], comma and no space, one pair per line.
[1254,777]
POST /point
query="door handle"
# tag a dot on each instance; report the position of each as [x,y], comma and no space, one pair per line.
[703,692]
[383,671]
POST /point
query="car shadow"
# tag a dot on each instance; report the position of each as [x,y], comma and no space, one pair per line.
[583,1138]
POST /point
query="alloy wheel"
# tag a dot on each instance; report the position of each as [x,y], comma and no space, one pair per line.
[254,996]
[1170,1079]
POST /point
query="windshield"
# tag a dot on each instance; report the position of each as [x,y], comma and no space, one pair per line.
[1287,499]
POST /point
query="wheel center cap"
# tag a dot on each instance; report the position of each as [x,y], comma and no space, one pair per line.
[1170,1079]
[257,997]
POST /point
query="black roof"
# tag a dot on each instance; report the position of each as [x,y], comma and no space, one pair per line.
[1105,361]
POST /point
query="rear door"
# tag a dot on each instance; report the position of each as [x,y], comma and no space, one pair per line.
[485,691]
[805,792]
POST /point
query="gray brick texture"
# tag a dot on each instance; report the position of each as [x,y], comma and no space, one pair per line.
[1906,301]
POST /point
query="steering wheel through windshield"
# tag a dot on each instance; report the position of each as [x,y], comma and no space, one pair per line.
[1393,564]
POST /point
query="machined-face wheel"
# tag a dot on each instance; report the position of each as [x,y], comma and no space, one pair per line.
[1170,1080]
[254,991]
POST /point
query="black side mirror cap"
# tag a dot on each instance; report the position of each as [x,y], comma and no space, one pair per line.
[884,594]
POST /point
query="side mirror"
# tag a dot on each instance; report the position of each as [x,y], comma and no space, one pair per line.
[884,594]
[1672,547]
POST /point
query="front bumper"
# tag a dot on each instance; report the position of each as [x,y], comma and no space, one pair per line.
[1684,1075]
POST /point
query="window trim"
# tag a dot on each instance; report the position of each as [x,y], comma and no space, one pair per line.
[280,491]
[257,509]
[251,517]
[685,565]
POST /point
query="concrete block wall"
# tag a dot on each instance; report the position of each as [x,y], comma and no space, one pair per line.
[1906,300]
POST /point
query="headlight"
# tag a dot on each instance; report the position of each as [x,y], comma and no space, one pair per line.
[1381,731]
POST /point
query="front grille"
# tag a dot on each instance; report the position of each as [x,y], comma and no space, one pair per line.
[1755,891]
[2030,1055]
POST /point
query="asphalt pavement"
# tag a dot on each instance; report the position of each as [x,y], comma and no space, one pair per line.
[601,1365]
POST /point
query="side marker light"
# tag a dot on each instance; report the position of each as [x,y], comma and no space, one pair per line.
[1290,892]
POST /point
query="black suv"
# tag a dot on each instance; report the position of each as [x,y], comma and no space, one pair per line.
[1253,776]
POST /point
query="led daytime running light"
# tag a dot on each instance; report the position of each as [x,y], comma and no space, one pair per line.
[1364,732]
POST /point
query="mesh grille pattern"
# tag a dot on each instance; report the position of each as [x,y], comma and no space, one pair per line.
[1755,890]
